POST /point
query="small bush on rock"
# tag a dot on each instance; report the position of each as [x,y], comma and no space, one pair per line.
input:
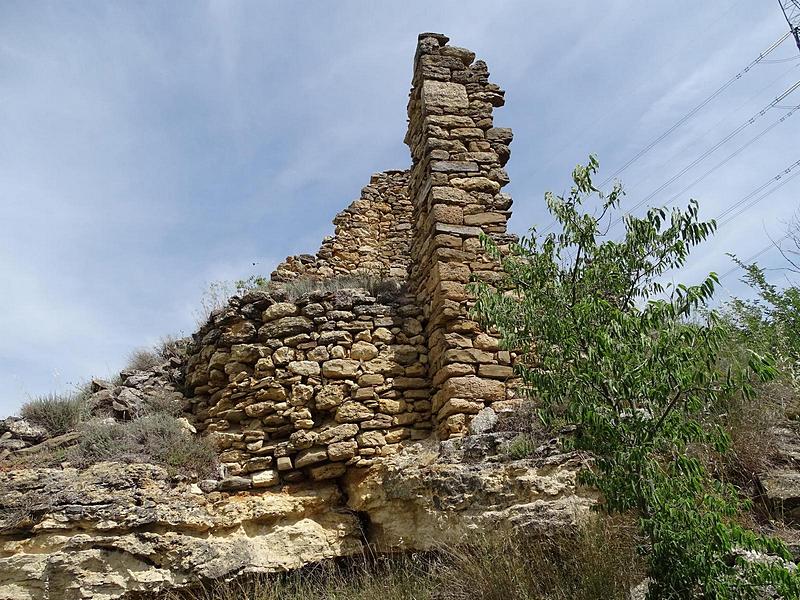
[171,347]
[158,438]
[162,402]
[56,412]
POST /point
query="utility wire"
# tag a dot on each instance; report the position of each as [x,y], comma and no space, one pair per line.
[689,115]
[696,109]
[760,198]
[780,60]
[721,121]
[758,254]
[713,149]
[731,156]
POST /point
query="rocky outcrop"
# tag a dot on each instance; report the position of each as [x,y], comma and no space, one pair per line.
[436,495]
[115,529]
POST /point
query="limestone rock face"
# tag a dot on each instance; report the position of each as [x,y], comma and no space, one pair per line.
[436,494]
[114,528]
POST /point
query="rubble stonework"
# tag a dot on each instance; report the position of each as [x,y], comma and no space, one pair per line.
[302,389]
[372,236]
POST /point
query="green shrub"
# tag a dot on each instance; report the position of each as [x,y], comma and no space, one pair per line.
[624,359]
[157,438]
[161,402]
[57,413]
[521,446]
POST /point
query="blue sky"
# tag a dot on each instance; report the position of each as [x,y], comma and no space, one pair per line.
[149,148]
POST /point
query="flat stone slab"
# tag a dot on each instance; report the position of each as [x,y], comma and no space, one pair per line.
[444,94]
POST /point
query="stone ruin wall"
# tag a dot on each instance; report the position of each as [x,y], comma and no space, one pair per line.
[372,236]
[456,176]
[301,389]
[304,388]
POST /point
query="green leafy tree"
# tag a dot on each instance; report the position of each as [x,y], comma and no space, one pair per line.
[625,359]
[771,320]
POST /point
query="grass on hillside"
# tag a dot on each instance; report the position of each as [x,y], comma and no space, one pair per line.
[597,563]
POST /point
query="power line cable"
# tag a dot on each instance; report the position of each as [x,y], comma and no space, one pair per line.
[691,113]
[696,109]
[591,124]
[752,97]
[760,198]
[780,60]
[755,256]
[711,150]
[731,156]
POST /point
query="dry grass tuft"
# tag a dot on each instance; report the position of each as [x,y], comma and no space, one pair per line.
[57,413]
[597,563]
[144,359]
[157,438]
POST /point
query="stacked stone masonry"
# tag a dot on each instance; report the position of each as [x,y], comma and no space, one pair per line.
[296,390]
[304,388]
[372,236]
[456,176]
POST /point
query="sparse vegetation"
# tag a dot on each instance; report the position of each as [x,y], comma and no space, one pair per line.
[219,293]
[161,402]
[157,438]
[522,446]
[57,413]
[597,563]
[170,347]
[143,359]
[374,284]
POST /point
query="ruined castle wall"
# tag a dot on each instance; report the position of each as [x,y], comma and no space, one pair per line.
[456,177]
[372,236]
[301,389]
[295,389]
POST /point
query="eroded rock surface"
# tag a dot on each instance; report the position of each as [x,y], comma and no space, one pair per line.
[115,529]
[437,494]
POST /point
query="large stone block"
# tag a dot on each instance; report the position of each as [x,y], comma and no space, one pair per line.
[284,327]
[266,478]
[363,351]
[276,311]
[340,368]
[338,433]
[329,397]
[476,184]
[329,471]
[444,94]
[306,368]
[351,412]
[471,387]
[310,457]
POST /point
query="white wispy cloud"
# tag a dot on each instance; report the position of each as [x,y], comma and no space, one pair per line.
[150,148]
